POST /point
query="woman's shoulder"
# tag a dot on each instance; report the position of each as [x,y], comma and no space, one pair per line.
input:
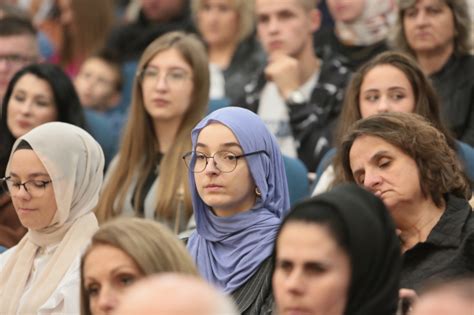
[6,255]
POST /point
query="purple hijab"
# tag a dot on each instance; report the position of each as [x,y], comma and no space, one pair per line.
[229,250]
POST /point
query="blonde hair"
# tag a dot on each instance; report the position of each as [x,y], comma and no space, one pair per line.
[138,147]
[245,11]
[151,245]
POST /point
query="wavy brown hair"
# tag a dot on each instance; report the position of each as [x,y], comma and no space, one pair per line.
[138,149]
[439,168]
[151,245]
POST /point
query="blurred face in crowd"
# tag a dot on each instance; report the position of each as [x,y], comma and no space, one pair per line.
[385,88]
[31,104]
[218,22]
[16,52]
[107,274]
[35,205]
[429,26]
[346,11]
[96,84]
[386,171]
[162,10]
[167,86]
[285,26]
[444,302]
[312,273]
[227,193]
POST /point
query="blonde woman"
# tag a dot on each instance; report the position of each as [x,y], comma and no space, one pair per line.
[227,27]
[123,251]
[170,96]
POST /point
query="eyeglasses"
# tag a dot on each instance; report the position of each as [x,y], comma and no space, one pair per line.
[173,77]
[224,161]
[17,59]
[35,188]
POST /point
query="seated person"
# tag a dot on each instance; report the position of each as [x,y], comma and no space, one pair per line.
[123,251]
[443,51]
[54,177]
[175,294]
[337,254]
[407,162]
[99,86]
[240,195]
[297,94]
[452,297]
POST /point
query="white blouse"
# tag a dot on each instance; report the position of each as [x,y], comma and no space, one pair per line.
[66,298]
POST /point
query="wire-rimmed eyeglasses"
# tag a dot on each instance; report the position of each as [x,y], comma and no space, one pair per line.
[35,188]
[173,77]
[224,161]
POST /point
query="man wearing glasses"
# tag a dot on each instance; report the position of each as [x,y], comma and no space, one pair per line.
[18,48]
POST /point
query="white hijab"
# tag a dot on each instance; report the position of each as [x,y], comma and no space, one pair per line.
[75,162]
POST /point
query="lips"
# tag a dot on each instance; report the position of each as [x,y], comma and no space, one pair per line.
[276,44]
[160,102]
[26,210]
[23,124]
[296,311]
[213,187]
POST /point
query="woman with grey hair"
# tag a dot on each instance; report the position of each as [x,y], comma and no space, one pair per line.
[437,34]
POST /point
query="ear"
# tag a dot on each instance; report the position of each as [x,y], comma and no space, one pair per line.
[314,19]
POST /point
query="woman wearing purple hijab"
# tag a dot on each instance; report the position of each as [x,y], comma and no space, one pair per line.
[240,195]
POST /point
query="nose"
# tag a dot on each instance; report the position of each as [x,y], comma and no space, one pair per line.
[273,25]
[211,167]
[420,18]
[162,83]
[107,300]
[372,180]
[22,193]
[295,282]
[383,106]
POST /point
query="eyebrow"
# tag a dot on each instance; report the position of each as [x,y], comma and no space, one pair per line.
[225,145]
[37,174]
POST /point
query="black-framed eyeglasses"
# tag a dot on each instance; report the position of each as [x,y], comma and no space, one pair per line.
[224,161]
[35,188]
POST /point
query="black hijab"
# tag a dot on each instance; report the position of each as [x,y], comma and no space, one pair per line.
[364,229]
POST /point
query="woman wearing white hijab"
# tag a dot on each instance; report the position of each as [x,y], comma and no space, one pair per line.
[54,175]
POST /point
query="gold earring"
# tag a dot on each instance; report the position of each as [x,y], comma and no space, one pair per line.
[257,192]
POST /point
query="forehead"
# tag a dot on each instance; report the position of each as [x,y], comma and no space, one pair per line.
[106,257]
[101,66]
[216,134]
[299,241]
[24,45]
[387,75]
[365,147]
[273,7]
[169,58]
[25,161]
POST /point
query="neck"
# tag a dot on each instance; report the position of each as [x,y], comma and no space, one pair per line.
[417,223]
[432,61]
[308,63]
[221,54]
[165,132]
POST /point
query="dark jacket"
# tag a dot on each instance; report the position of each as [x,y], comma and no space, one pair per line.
[247,60]
[130,40]
[311,123]
[455,85]
[448,251]
[255,296]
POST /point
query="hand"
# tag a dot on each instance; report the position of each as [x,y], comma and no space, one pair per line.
[284,71]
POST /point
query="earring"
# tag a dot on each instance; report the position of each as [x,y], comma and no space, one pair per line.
[257,192]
